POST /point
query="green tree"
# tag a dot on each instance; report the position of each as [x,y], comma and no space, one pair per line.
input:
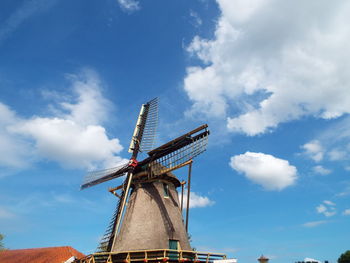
[1,244]
[345,257]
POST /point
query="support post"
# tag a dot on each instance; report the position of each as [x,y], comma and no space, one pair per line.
[182,195]
[188,193]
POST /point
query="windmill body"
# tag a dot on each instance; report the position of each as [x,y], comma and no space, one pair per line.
[153,219]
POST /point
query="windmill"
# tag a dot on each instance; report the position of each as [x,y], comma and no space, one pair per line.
[148,214]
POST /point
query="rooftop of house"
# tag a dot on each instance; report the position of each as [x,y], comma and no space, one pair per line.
[39,255]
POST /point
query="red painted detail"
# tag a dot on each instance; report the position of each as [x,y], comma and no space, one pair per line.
[165,259]
[133,162]
[145,260]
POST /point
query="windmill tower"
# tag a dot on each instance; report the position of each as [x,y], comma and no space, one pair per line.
[148,217]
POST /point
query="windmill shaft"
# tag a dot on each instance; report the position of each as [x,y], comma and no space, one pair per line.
[140,124]
[145,130]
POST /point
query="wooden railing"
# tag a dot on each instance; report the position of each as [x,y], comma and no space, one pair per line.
[156,255]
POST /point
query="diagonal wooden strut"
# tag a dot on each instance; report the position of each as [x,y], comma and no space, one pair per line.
[119,218]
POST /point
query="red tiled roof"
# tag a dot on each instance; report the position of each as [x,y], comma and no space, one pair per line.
[39,255]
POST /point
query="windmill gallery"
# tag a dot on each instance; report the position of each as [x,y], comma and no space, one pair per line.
[148,223]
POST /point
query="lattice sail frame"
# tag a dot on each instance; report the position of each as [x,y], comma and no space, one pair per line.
[150,129]
[178,158]
[145,129]
[106,241]
[97,177]
[149,116]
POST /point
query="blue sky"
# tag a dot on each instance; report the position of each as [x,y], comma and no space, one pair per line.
[271,78]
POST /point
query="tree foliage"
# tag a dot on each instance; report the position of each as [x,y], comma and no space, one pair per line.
[345,257]
[1,243]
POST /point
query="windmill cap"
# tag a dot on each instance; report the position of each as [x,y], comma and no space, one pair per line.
[142,177]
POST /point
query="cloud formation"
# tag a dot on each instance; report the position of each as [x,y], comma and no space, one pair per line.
[14,150]
[266,170]
[196,200]
[335,146]
[319,169]
[312,260]
[314,150]
[24,12]
[272,62]
[346,212]
[129,5]
[74,137]
[327,208]
[5,213]
[314,223]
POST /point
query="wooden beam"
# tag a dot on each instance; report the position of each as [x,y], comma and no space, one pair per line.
[188,194]
[182,195]
[167,170]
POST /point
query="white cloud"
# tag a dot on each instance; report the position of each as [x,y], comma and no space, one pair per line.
[129,5]
[327,208]
[263,68]
[319,169]
[346,212]
[197,21]
[312,260]
[270,172]
[345,192]
[73,138]
[63,198]
[314,150]
[14,151]
[24,12]
[89,107]
[314,223]
[321,209]
[337,155]
[196,200]
[5,213]
[335,145]
[327,202]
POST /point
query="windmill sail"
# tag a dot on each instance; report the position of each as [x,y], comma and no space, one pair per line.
[176,153]
[107,239]
[97,177]
[181,156]
[151,124]
[146,127]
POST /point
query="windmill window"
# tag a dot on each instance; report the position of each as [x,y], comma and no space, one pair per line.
[166,190]
[173,244]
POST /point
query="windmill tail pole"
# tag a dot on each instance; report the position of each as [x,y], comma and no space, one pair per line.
[182,195]
[188,194]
